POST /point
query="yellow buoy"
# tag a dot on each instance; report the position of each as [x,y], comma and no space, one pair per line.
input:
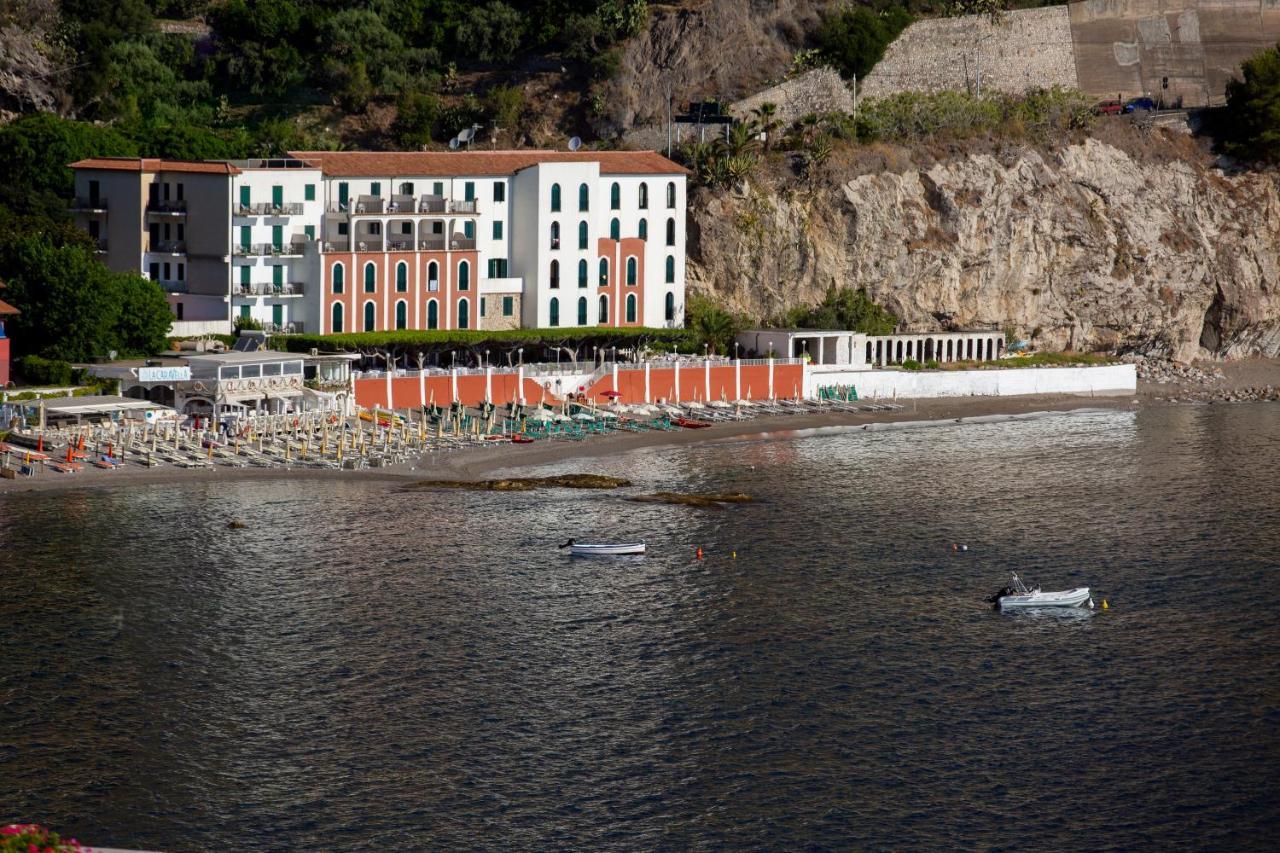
[733,555]
[1104,604]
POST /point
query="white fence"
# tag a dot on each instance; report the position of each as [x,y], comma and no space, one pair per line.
[1105,380]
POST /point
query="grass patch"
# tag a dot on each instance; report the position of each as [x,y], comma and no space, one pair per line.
[1039,359]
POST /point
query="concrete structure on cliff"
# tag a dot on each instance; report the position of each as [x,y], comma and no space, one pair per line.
[1181,51]
[350,241]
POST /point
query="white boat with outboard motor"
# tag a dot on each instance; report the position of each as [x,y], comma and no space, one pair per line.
[1019,597]
[584,549]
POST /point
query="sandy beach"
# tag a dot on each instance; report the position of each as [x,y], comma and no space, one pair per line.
[483,460]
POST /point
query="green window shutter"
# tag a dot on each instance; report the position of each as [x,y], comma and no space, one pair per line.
[469,230]
[375,188]
[244,275]
[277,196]
[437,188]
[277,314]
[244,196]
[499,192]
[497,229]
[245,236]
[277,274]
[469,191]
[277,237]
[244,311]
[310,231]
[309,192]
[483,307]
[508,306]
[344,195]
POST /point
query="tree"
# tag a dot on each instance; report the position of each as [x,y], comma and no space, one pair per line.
[1253,109]
[854,39]
[34,153]
[505,106]
[492,32]
[416,117]
[843,308]
[711,324]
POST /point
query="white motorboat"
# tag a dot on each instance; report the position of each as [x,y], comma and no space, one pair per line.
[583,549]
[1019,597]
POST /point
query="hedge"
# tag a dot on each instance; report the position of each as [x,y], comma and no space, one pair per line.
[47,371]
[508,339]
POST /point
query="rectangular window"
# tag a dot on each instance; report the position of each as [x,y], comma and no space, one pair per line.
[154,271]
[375,229]
[95,228]
[437,227]
[508,306]
[153,193]
[167,272]
[244,275]
[277,274]
[178,308]
[182,232]
[469,229]
[95,193]
[167,232]
[309,192]
[310,231]
[277,237]
[469,191]
[483,306]
[344,195]
[375,189]
[437,188]
[406,227]
[497,230]
[343,230]
[277,196]
[245,236]
[499,191]
[182,272]
[166,190]
[277,317]
[244,311]
[181,196]
[497,268]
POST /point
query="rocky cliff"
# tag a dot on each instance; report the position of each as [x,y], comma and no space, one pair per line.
[1087,247]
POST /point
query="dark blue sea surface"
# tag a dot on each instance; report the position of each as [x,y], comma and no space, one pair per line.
[369,667]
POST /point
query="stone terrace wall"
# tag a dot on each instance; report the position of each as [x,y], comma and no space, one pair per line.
[818,91]
[1025,50]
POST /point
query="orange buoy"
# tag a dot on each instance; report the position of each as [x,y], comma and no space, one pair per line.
[698,554]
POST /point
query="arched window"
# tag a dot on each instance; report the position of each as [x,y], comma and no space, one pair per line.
[464,276]
[555,235]
[615,229]
[669,308]
[339,274]
[555,274]
[582,273]
[582,234]
[582,310]
[370,278]
[644,196]
[604,310]
[671,269]
[464,314]
[631,307]
[604,272]
[643,233]
[671,194]
[402,314]
[584,198]
[368,316]
[615,196]
[406,188]
[555,198]
[337,319]
[671,232]
[555,311]
[402,277]
[433,276]
[631,271]
[433,314]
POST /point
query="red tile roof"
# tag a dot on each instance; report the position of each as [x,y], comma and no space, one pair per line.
[6,308]
[155,164]
[450,163]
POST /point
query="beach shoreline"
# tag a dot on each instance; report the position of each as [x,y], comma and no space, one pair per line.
[472,463]
[481,461]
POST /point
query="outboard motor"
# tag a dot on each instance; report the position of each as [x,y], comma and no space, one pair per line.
[995,599]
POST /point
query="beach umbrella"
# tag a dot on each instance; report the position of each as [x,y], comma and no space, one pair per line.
[583,416]
[541,415]
[612,395]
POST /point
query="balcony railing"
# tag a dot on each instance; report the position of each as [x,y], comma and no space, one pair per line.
[294,248]
[394,244]
[337,244]
[100,245]
[262,288]
[269,209]
[463,243]
[283,328]
[399,245]
[168,208]
[89,205]
[369,206]
[174,286]
[169,247]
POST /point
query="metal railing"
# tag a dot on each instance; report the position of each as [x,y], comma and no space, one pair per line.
[262,288]
[283,328]
[169,247]
[295,247]
[100,245]
[269,209]
[174,286]
[90,204]
[168,207]
[425,205]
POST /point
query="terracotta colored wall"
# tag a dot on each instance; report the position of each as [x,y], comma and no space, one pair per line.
[4,361]
[405,391]
[385,296]
[788,381]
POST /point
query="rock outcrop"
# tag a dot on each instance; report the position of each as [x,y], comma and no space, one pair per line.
[1084,248]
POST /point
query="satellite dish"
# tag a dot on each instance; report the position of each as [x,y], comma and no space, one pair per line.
[575,143]
[453,144]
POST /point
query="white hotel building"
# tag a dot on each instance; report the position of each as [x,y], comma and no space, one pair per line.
[353,241]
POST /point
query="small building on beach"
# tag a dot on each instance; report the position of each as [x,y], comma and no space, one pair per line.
[856,351]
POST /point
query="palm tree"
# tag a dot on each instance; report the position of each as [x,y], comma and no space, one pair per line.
[740,140]
[765,118]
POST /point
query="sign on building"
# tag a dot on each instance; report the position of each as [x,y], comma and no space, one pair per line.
[164,374]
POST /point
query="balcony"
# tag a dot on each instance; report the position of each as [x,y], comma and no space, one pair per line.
[89,205]
[284,329]
[167,208]
[288,288]
[404,205]
[337,244]
[100,246]
[168,247]
[372,243]
[174,286]
[268,209]
[284,250]
[400,244]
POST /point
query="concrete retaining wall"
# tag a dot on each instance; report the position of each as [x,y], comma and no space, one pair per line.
[1114,379]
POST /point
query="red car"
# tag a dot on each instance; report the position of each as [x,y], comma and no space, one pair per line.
[1108,108]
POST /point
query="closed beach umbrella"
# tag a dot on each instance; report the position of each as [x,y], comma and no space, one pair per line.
[583,416]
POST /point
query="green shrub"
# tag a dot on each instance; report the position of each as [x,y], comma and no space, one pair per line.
[854,38]
[911,364]
[47,371]
[1252,127]
[843,308]
[918,115]
[932,364]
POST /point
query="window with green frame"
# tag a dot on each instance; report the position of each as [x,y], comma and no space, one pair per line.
[309,192]
[469,230]
[497,226]
[508,306]
[582,234]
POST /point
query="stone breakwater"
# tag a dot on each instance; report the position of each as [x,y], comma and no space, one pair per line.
[1173,382]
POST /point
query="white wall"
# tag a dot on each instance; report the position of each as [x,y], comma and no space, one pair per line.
[1105,380]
